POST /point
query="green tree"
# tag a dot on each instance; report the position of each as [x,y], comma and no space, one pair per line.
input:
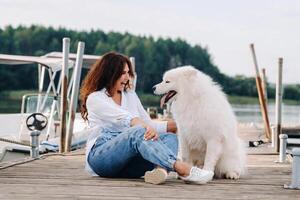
[153,57]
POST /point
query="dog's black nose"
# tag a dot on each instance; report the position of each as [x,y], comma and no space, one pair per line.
[154,88]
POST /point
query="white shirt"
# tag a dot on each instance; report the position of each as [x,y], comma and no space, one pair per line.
[103,112]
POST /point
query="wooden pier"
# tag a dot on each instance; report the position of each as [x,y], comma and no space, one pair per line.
[63,177]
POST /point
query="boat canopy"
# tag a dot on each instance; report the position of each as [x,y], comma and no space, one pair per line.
[51,60]
[88,60]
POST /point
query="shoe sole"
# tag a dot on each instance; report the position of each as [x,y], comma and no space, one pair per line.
[155,176]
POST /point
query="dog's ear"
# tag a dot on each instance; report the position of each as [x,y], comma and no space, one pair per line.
[190,72]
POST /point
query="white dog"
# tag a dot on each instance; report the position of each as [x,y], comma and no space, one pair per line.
[207,127]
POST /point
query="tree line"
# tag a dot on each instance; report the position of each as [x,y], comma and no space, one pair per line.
[153,57]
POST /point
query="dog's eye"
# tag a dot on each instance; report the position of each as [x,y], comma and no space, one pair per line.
[167,81]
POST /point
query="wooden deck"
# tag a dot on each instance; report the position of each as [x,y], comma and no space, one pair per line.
[63,177]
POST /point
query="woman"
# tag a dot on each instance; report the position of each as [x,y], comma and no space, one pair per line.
[125,142]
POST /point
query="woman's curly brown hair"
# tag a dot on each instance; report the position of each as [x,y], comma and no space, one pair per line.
[104,74]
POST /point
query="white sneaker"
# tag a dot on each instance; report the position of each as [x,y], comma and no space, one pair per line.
[156,176]
[198,176]
[172,176]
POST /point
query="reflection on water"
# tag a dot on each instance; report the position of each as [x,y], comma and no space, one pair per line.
[251,113]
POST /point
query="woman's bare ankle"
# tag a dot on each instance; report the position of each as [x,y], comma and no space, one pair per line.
[182,168]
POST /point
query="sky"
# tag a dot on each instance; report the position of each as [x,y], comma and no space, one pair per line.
[225,28]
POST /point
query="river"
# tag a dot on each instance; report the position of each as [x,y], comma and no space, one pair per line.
[245,114]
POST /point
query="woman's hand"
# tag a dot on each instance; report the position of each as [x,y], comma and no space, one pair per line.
[171,126]
[150,133]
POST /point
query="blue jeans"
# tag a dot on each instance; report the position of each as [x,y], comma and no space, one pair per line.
[127,155]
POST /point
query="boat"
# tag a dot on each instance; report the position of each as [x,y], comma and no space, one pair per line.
[46,101]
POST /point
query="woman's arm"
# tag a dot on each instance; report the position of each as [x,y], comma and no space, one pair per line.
[137,121]
[171,126]
[150,134]
[100,107]
[159,126]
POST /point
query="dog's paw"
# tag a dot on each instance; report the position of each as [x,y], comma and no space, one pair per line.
[232,175]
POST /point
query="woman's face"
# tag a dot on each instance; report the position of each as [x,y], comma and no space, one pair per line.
[123,80]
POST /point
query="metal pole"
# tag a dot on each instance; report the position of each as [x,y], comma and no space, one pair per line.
[41,84]
[295,171]
[132,60]
[263,106]
[64,90]
[51,85]
[278,104]
[74,95]
[34,153]
[51,118]
[282,149]
[273,131]
[296,168]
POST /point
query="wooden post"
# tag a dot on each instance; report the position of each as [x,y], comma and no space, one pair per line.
[264,85]
[263,106]
[264,88]
[74,95]
[64,91]
[278,104]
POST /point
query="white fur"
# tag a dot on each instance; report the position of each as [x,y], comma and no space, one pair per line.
[207,127]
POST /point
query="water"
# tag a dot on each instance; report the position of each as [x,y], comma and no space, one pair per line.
[10,123]
[252,114]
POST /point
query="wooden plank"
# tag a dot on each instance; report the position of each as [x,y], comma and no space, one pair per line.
[183,191]
[63,177]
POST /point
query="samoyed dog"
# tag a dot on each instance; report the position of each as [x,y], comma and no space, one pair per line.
[207,127]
